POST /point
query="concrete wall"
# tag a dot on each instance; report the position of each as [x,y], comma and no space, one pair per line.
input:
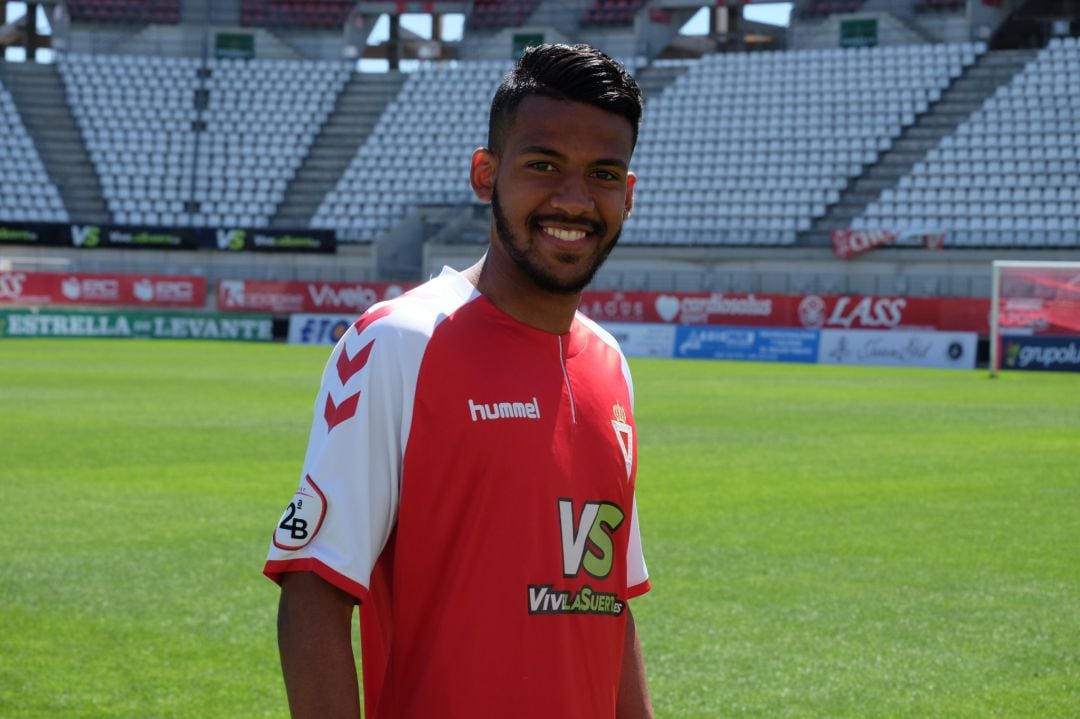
[901,271]
[350,263]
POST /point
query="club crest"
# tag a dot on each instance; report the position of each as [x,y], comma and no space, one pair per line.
[624,433]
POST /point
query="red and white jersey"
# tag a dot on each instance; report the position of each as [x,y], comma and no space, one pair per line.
[470,479]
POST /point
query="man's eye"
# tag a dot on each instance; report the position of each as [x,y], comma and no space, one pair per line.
[542,166]
[605,175]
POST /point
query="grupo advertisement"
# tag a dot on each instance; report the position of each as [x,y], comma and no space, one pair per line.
[58,288]
[860,312]
[134,325]
[290,297]
[1055,354]
[898,348]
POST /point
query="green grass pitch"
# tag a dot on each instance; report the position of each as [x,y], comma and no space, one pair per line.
[823,541]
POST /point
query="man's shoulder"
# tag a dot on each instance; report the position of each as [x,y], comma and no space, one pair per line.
[416,313]
[592,327]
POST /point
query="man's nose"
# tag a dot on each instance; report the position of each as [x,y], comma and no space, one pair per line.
[572,196]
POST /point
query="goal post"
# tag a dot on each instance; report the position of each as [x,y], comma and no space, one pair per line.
[1030,298]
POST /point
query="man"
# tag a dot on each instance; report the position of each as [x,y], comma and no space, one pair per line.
[469,478]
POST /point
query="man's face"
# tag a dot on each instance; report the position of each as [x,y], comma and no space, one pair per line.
[560,190]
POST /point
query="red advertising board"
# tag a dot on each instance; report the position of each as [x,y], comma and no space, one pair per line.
[76,288]
[287,297]
[811,311]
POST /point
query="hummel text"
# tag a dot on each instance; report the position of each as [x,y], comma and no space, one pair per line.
[505,410]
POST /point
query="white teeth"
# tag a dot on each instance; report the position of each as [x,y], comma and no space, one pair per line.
[565,235]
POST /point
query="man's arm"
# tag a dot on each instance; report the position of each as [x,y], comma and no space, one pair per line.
[315,641]
[633,701]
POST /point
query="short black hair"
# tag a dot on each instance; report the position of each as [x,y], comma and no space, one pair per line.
[577,73]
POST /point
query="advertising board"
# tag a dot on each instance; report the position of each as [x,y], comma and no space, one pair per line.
[747,343]
[229,239]
[318,329]
[805,311]
[134,325]
[643,340]
[898,348]
[293,297]
[1055,354]
[75,288]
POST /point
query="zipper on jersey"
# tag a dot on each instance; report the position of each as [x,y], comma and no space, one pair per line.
[566,379]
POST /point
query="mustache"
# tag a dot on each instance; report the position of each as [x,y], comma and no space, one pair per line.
[592,226]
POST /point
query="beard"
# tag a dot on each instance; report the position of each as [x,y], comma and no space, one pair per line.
[527,263]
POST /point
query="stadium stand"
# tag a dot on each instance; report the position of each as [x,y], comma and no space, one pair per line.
[929,5]
[494,14]
[1010,175]
[418,153]
[749,148]
[163,160]
[819,8]
[136,116]
[611,12]
[293,13]
[742,154]
[261,120]
[26,192]
[125,11]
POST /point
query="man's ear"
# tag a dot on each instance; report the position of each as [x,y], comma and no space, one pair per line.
[631,180]
[485,165]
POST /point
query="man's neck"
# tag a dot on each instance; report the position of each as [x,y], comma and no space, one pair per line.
[548,311]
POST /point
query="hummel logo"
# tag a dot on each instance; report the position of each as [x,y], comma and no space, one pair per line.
[505,410]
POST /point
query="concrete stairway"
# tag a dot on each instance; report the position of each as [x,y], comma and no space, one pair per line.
[966,95]
[39,94]
[356,111]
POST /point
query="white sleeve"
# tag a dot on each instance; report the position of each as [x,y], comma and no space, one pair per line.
[637,574]
[341,517]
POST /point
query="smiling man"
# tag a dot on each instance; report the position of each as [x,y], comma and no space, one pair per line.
[471,468]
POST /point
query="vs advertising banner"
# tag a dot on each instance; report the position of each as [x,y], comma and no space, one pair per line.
[866,312]
[291,297]
[230,239]
[57,288]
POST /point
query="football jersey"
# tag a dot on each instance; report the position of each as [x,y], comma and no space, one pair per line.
[470,480]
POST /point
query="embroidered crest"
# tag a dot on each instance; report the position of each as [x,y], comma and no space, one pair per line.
[624,433]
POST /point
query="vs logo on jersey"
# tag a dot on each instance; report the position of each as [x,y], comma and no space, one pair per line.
[588,545]
[302,518]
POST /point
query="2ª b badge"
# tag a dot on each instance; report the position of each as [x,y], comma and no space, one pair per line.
[302,518]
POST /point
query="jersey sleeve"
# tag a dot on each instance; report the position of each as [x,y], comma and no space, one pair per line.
[637,574]
[341,516]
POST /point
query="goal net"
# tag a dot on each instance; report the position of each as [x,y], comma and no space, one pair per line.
[1035,316]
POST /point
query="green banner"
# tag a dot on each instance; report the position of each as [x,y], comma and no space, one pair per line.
[138,325]
[859,33]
